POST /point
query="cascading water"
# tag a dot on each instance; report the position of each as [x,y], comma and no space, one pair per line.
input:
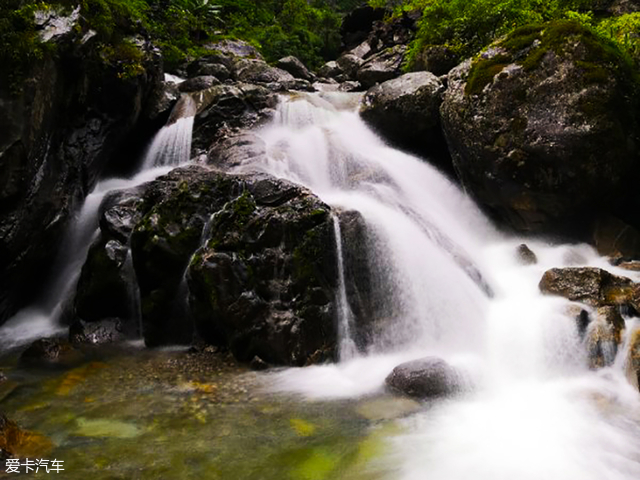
[459,292]
[348,347]
[172,144]
[170,147]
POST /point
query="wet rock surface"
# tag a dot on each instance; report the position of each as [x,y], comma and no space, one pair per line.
[534,128]
[426,378]
[412,99]
[264,280]
[589,285]
[56,135]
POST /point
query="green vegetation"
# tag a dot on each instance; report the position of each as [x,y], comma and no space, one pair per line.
[181,28]
[465,27]
[601,59]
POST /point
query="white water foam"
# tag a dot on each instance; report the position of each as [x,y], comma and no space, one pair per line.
[536,411]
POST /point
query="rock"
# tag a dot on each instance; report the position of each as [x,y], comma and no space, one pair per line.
[295,67]
[382,66]
[52,23]
[198,83]
[349,64]
[622,7]
[411,99]
[616,239]
[210,66]
[437,59]
[399,30]
[18,443]
[237,150]
[361,51]
[589,285]
[258,71]
[604,335]
[45,349]
[634,359]
[98,333]
[162,101]
[426,378]
[107,285]
[285,319]
[177,206]
[258,364]
[104,286]
[57,133]
[48,352]
[330,70]
[535,128]
[350,86]
[525,255]
[226,107]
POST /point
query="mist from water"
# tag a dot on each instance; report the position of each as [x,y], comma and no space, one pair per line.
[459,292]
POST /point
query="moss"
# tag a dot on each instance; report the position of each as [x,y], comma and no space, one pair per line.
[600,59]
[483,71]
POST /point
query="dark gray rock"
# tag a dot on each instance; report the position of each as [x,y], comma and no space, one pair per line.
[295,67]
[525,255]
[224,109]
[412,99]
[198,83]
[427,378]
[349,64]
[57,134]
[330,70]
[436,59]
[545,136]
[258,71]
[287,318]
[97,333]
[382,66]
[210,66]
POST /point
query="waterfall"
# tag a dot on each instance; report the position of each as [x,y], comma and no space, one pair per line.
[458,291]
[170,147]
[172,144]
[347,349]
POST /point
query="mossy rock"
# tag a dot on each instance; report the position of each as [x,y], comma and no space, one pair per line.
[542,126]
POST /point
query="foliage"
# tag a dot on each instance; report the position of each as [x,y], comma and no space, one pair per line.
[19,41]
[624,30]
[465,27]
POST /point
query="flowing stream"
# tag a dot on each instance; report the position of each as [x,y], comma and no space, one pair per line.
[533,410]
[446,283]
[170,147]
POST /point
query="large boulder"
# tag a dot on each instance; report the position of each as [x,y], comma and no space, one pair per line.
[176,209]
[382,66]
[426,378]
[59,126]
[295,67]
[542,126]
[265,279]
[413,99]
[107,286]
[259,71]
[225,107]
